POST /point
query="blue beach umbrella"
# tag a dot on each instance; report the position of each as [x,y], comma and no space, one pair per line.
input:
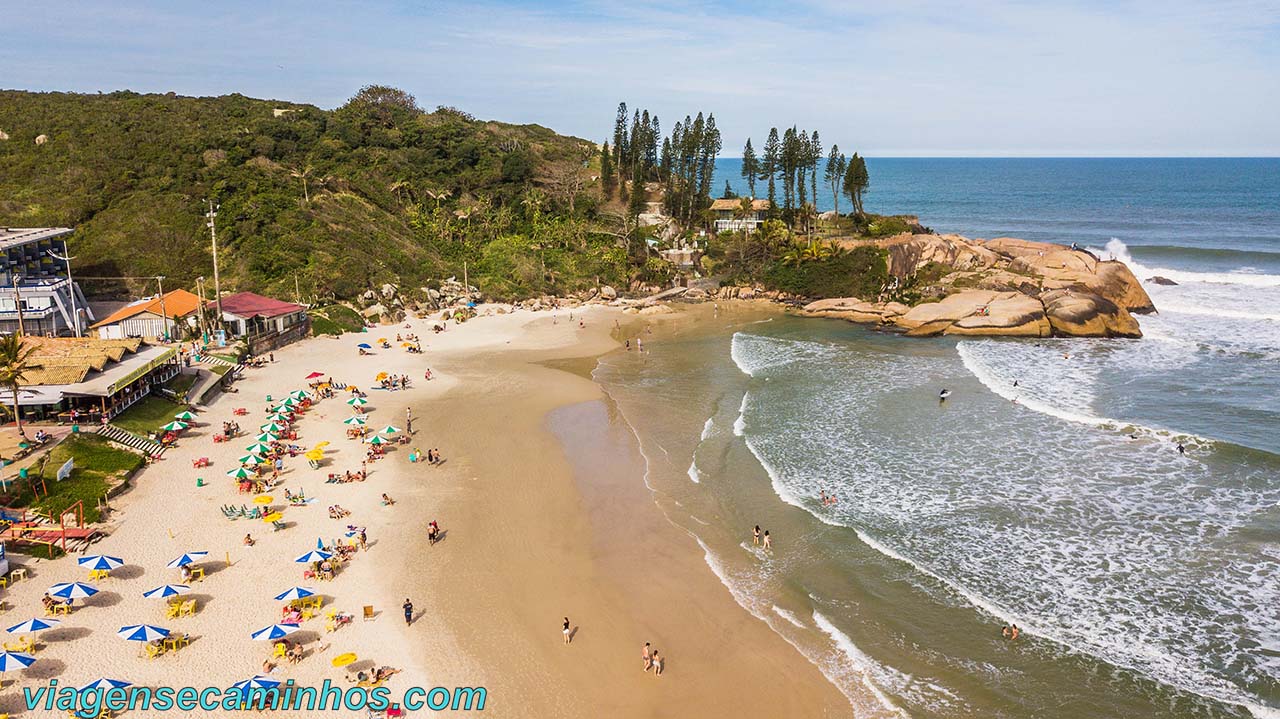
[166,590]
[142,632]
[188,558]
[365,346]
[313,556]
[275,631]
[258,682]
[100,562]
[72,590]
[12,661]
[294,593]
[33,625]
[105,684]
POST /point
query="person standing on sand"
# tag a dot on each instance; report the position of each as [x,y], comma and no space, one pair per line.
[408,612]
[657,664]
[644,654]
[768,542]
[568,636]
[755,536]
[408,420]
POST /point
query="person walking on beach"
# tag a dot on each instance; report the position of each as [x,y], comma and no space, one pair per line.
[755,536]
[408,420]
[657,664]
[364,540]
[768,543]
[645,655]
[408,612]
[568,635]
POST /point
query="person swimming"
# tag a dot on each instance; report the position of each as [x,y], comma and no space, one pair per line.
[943,395]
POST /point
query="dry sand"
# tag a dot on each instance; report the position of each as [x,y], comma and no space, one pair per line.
[526,543]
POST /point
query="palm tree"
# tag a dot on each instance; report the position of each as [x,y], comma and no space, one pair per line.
[303,174]
[14,363]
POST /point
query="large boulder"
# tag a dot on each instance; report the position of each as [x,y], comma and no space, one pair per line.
[846,308]
[1013,315]
[951,309]
[909,253]
[1078,313]
[608,293]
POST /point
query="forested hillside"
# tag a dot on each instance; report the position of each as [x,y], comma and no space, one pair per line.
[343,200]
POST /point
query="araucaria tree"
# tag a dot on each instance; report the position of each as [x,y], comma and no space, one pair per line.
[770,167]
[856,181]
[750,167]
[606,172]
[836,164]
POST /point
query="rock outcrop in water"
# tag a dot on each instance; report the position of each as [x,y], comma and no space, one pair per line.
[1002,287]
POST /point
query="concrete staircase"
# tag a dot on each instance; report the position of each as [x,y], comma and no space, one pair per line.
[131,440]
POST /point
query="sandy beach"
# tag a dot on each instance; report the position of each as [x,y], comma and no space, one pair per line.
[530,536]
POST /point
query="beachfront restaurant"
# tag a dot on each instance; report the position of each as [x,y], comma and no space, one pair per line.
[88,380]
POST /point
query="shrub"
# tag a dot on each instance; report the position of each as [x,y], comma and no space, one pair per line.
[860,272]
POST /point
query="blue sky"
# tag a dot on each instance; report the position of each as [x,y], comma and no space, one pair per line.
[895,77]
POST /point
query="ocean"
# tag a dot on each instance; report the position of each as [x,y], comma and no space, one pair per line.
[1048,490]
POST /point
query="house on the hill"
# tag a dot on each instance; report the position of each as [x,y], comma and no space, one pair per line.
[265,323]
[169,315]
[728,212]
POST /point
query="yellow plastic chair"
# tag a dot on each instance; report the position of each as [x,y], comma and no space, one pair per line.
[188,608]
[154,651]
[173,610]
[197,574]
[63,609]
[280,652]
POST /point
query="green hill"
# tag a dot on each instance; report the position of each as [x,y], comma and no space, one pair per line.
[342,200]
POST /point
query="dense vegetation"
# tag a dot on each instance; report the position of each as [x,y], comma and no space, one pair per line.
[343,200]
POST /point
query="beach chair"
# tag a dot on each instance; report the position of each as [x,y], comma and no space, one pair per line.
[188,608]
[277,525]
[154,650]
[173,610]
[368,613]
[280,652]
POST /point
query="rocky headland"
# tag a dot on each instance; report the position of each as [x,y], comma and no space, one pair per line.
[999,287]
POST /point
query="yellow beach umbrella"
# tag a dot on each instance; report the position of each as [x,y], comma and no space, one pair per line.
[274,516]
[315,455]
[343,660]
[262,499]
[381,376]
[321,445]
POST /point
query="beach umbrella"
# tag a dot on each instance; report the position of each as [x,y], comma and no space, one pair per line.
[258,682]
[188,558]
[380,376]
[294,593]
[357,401]
[315,375]
[105,684]
[275,631]
[268,437]
[13,661]
[250,459]
[33,625]
[288,402]
[390,429]
[314,555]
[240,473]
[322,445]
[273,517]
[142,632]
[378,440]
[165,591]
[315,455]
[299,394]
[262,499]
[319,543]
[72,590]
[271,427]
[258,448]
[278,415]
[174,426]
[358,419]
[382,339]
[100,562]
[185,416]
[365,346]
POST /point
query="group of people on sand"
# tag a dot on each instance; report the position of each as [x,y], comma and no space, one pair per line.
[431,457]
[761,539]
[336,511]
[652,660]
[395,381]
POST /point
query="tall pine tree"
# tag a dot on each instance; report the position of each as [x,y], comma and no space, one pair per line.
[834,175]
[769,168]
[606,171]
[750,167]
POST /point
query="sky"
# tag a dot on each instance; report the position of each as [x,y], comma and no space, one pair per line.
[885,78]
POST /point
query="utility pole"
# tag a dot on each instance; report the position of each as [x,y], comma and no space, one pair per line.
[217,286]
[164,316]
[297,293]
[75,313]
[17,301]
[204,327]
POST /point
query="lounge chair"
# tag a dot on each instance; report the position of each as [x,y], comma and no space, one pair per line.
[277,525]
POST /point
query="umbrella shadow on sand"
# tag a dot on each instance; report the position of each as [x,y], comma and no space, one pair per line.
[128,571]
[65,634]
[102,599]
[45,669]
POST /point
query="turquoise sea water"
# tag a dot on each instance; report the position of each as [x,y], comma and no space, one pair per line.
[1047,491]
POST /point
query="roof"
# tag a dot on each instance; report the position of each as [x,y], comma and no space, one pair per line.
[14,236]
[733,203]
[176,304]
[248,304]
[68,360]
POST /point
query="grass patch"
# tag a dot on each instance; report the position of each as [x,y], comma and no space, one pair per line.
[334,320]
[220,369]
[147,415]
[98,467]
